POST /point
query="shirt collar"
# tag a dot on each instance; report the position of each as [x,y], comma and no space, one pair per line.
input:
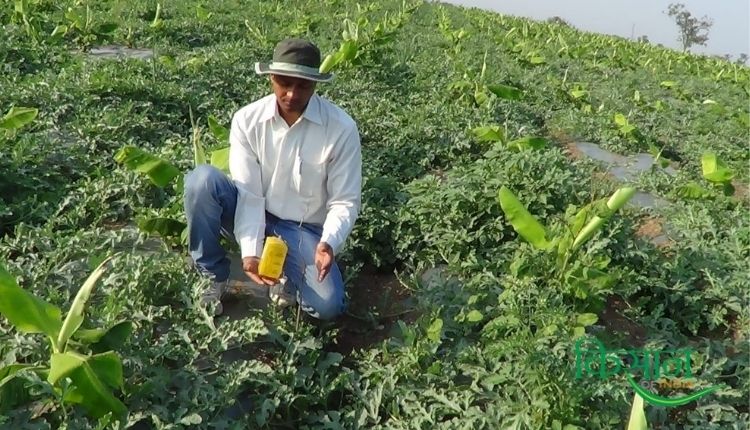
[270,108]
[311,113]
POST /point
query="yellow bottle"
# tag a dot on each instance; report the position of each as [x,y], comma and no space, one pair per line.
[272,260]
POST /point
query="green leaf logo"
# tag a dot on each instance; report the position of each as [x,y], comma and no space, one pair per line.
[655,399]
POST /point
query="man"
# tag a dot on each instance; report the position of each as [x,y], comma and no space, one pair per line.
[296,172]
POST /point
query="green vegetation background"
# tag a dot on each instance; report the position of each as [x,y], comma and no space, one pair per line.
[417,91]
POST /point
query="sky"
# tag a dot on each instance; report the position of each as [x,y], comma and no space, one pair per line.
[730,33]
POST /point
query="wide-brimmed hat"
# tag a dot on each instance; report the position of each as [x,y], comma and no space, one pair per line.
[297,58]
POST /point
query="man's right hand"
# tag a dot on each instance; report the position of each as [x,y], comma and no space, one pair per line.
[250,267]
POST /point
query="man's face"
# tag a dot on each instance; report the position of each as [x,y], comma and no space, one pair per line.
[292,94]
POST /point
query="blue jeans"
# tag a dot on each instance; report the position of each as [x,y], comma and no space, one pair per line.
[210,202]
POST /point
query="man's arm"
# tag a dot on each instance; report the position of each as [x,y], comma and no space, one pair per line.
[244,166]
[344,191]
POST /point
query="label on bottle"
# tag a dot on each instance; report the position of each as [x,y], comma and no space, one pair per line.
[272,261]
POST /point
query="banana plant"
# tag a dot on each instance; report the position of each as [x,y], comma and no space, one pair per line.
[218,158]
[583,280]
[80,24]
[202,14]
[349,47]
[25,15]
[637,419]
[528,55]
[478,92]
[163,173]
[157,22]
[496,135]
[360,35]
[579,231]
[17,117]
[579,96]
[625,128]
[78,377]
[453,37]
[716,172]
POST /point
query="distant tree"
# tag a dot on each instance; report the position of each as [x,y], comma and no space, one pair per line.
[693,31]
[642,39]
[559,21]
[742,59]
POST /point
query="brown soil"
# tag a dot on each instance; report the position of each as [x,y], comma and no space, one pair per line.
[599,176]
[377,301]
[651,228]
[573,152]
[567,142]
[561,136]
[615,323]
[114,224]
[439,174]
[740,190]
[256,351]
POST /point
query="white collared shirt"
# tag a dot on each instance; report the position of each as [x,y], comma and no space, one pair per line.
[310,172]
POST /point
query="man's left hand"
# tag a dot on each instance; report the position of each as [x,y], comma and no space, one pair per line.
[323,260]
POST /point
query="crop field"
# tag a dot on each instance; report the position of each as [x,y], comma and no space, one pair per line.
[533,197]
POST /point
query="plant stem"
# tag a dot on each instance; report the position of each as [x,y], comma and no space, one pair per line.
[564,266]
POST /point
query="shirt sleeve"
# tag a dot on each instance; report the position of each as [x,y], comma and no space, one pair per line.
[344,188]
[244,166]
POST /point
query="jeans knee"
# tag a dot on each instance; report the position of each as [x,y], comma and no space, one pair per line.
[200,179]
